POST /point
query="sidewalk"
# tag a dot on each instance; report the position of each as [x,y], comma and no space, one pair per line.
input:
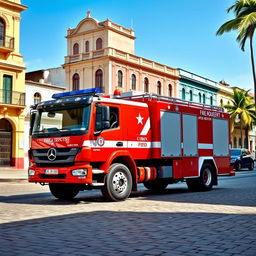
[9,174]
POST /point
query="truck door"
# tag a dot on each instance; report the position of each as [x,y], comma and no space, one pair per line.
[138,132]
[108,139]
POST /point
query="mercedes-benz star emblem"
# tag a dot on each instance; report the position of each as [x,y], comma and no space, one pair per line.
[51,154]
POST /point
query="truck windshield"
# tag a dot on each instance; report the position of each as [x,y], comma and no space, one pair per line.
[56,121]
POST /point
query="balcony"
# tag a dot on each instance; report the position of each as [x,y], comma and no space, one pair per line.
[12,98]
[108,51]
[6,44]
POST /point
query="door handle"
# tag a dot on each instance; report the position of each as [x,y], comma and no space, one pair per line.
[119,144]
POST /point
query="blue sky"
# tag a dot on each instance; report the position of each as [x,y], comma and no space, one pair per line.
[177,33]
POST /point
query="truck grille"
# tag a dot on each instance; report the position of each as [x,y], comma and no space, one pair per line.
[64,157]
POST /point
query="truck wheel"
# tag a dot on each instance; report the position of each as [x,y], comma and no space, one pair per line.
[118,183]
[155,185]
[251,166]
[204,182]
[64,191]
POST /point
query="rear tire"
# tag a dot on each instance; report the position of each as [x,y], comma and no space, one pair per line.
[204,182]
[155,185]
[64,191]
[118,183]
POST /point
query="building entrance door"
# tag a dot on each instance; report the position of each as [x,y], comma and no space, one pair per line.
[5,143]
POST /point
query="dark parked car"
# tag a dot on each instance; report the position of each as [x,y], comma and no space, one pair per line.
[241,158]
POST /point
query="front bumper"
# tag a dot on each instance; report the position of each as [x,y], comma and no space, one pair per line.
[60,174]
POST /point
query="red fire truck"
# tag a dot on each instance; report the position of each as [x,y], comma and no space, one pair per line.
[85,140]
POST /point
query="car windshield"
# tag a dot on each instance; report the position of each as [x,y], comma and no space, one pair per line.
[235,152]
[62,120]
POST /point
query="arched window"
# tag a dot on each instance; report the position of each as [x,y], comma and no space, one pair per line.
[228,102]
[133,82]
[159,88]
[235,143]
[183,94]
[37,98]
[170,90]
[6,133]
[221,102]
[190,95]
[75,84]
[146,83]
[200,97]
[245,143]
[120,78]
[211,100]
[204,98]
[240,143]
[2,32]
[98,44]
[99,79]
[87,46]
[75,49]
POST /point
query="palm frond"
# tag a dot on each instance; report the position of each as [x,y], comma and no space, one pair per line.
[228,26]
[246,21]
[242,108]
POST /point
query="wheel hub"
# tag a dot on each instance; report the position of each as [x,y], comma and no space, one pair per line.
[119,182]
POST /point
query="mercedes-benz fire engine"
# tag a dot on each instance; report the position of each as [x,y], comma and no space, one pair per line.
[84,140]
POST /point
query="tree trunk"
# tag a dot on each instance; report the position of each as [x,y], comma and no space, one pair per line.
[253,68]
[241,134]
[247,138]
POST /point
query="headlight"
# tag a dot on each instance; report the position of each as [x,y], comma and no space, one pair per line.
[31,172]
[79,172]
[232,161]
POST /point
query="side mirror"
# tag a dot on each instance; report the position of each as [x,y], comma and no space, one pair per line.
[32,120]
[102,119]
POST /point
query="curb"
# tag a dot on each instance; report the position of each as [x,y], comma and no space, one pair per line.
[13,180]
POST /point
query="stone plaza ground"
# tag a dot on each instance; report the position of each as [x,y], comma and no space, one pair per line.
[178,222]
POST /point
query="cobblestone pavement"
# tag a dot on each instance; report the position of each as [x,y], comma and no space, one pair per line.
[178,222]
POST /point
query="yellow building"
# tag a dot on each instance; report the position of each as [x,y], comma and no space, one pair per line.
[239,137]
[12,85]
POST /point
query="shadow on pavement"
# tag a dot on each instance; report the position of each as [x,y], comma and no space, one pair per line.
[217,196]
[131,233]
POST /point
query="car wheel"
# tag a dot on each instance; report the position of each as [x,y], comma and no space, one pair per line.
[238,166]
[251,166]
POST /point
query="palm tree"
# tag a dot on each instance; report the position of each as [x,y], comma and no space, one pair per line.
[241,111]
[245,23]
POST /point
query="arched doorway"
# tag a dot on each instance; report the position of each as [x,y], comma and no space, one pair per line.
[5,142]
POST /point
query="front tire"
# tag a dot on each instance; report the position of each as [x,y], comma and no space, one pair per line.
[204,182]
[64,191]
[238,166]
[251,166]
[118,183]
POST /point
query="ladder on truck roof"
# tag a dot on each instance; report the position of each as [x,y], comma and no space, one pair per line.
[153,96]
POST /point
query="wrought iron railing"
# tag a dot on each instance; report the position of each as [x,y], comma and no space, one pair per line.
[7,42]
[12,97]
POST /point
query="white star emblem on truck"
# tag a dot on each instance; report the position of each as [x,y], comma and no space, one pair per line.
[139,118]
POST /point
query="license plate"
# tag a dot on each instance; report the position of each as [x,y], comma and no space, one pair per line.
[51,171]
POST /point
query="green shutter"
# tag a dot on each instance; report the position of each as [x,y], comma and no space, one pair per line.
[7,89]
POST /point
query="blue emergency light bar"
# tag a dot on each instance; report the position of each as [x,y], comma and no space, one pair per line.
[76,93]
